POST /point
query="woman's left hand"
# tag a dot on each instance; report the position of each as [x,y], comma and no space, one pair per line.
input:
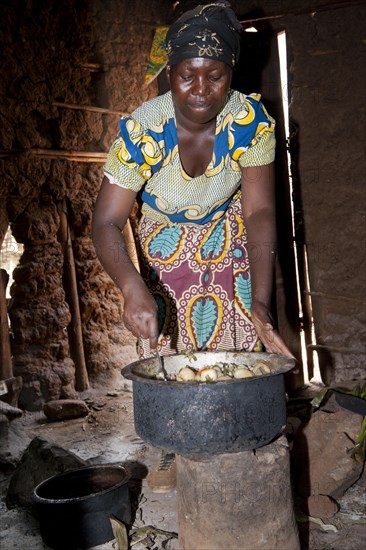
[264,326]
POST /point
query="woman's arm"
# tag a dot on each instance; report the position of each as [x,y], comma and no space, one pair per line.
[258,206]
[111,212]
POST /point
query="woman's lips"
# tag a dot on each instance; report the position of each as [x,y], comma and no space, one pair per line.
[199,105]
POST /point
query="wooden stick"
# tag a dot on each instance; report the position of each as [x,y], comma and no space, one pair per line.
[53,154]
[74,156]
[94,67]
[63,154]
[74,328]
[88,108]
[6,370]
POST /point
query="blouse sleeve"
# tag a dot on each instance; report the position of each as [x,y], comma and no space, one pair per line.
[254,128]
[133,157]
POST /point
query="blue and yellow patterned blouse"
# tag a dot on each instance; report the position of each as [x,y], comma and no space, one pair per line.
[145,158]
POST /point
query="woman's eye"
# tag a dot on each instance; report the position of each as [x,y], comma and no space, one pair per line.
[185,77]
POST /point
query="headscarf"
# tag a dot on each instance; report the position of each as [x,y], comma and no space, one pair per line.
[210,31]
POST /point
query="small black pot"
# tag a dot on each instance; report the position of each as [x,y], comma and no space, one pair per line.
[74,507]
[193,418]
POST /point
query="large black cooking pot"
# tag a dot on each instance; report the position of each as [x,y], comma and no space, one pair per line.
[74,507]
[197,418]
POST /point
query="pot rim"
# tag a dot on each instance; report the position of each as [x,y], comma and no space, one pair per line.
[129,374]
[40,500]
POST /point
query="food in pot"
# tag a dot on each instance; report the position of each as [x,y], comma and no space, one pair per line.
[186,374]
[242,372]
[222,371]
[208,374]
[262,367]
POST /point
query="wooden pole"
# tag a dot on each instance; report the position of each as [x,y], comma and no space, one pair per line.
[89,108]
[6,370]
[72,298]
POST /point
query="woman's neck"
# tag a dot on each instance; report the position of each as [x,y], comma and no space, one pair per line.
[195,146]
[192,127]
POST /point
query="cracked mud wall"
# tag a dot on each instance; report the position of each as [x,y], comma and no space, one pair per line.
[89,53]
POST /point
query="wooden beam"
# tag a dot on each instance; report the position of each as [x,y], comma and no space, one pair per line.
[310,10]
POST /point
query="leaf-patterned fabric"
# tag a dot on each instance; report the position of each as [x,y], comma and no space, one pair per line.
[200,278]
[158,56]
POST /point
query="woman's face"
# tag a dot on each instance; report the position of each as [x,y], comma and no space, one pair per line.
[199,88]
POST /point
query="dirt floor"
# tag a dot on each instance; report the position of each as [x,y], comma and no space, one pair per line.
[107,435]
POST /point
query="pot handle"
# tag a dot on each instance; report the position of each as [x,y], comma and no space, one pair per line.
[127,372]
[289,366]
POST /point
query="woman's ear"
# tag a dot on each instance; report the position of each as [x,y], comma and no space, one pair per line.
[163,81]
[231,76]
[167,73]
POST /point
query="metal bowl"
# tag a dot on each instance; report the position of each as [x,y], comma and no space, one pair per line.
[74,507]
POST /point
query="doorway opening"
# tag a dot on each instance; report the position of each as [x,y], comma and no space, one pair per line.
[10,254]
[311,374]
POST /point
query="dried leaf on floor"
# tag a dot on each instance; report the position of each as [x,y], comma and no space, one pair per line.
[120,533]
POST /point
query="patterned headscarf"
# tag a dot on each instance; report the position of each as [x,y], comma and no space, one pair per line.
[210,31]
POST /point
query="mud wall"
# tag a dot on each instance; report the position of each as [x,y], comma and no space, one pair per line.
[57,56]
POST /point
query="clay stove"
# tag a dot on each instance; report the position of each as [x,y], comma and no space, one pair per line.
[233,471]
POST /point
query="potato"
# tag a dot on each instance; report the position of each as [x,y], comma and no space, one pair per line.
[242,372]
[186,374]
[208,375]
[262,367]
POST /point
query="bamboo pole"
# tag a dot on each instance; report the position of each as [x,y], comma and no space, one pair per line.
[70,283]
[6,370]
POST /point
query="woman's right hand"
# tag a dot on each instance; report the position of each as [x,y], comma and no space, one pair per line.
[111,212]
[264,326]
[140,314]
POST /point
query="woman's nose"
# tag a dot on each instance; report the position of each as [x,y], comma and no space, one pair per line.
[201,87]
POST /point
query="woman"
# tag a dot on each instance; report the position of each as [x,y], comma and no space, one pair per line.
[201,160]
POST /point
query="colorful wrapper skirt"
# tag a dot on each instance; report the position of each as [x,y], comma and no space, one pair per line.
[199,276]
